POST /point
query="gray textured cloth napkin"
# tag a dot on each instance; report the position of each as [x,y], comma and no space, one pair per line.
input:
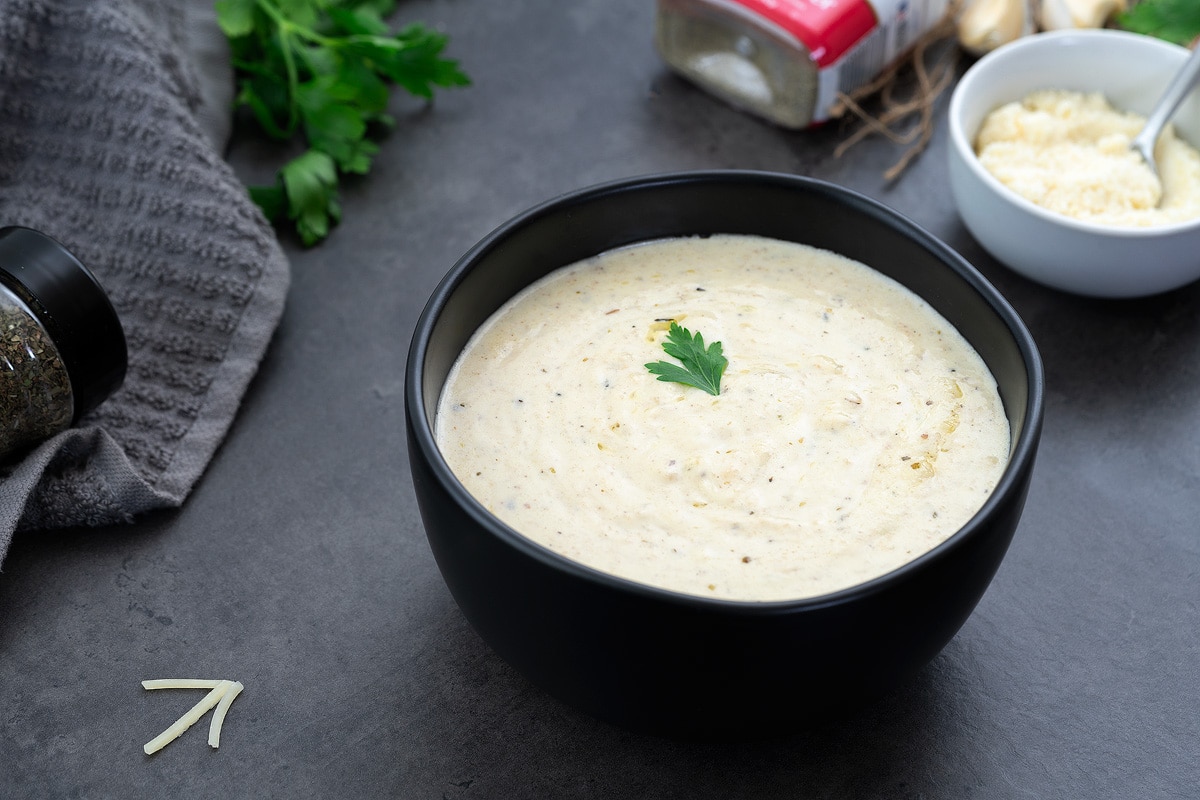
[113,118]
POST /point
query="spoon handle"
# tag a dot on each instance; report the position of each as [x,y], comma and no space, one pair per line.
[1176,91]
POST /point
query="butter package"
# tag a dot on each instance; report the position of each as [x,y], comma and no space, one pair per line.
[788,60]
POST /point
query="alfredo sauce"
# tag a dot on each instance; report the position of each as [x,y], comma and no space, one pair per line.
[855,429]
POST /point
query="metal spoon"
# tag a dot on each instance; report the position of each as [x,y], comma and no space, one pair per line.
[1178,89]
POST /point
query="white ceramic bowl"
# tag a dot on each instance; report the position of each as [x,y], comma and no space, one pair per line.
[1081,257]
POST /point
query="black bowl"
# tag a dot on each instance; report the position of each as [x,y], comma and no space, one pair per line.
[679,665]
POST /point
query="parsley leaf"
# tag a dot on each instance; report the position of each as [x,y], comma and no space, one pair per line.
[321,72]
[702,368]
[1176,21]
[310,186]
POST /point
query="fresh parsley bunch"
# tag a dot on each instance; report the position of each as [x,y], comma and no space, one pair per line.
[1176,21]
[322,71]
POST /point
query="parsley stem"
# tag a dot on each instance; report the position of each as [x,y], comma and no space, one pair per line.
[288,27]
[341,42]
[283,30]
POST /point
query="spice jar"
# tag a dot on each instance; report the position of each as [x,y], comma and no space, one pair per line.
[788,60]
[62,348]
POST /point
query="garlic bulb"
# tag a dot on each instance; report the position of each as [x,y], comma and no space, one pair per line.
[1060,14]
[984,25]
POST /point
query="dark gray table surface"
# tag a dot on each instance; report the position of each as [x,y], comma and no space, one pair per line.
[299,566]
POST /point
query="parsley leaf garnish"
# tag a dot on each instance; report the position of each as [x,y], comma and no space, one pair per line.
[702,367]
[321,71]
[1176,21]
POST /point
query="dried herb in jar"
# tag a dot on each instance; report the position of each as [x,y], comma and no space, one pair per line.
[35,390]
[62,348]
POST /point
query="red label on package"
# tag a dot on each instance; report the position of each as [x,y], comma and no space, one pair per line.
[828,28]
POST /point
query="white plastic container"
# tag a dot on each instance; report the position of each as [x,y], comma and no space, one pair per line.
[788,60]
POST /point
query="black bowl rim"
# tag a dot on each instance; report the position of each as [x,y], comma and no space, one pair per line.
[1023,449]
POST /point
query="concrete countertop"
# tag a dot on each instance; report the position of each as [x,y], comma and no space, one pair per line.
[299,565]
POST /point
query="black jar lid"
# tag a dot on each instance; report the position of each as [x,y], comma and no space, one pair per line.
[74,309]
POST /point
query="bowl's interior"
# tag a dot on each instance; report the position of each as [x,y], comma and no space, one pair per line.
[779,206]
[1131,70]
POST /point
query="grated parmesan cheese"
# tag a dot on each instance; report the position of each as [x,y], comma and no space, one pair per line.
[1069,152]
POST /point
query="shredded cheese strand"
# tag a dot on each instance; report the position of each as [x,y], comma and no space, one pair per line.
[188,719]
[218,718]
[180,683]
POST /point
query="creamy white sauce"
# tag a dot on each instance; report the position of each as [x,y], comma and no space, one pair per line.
[855,428]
